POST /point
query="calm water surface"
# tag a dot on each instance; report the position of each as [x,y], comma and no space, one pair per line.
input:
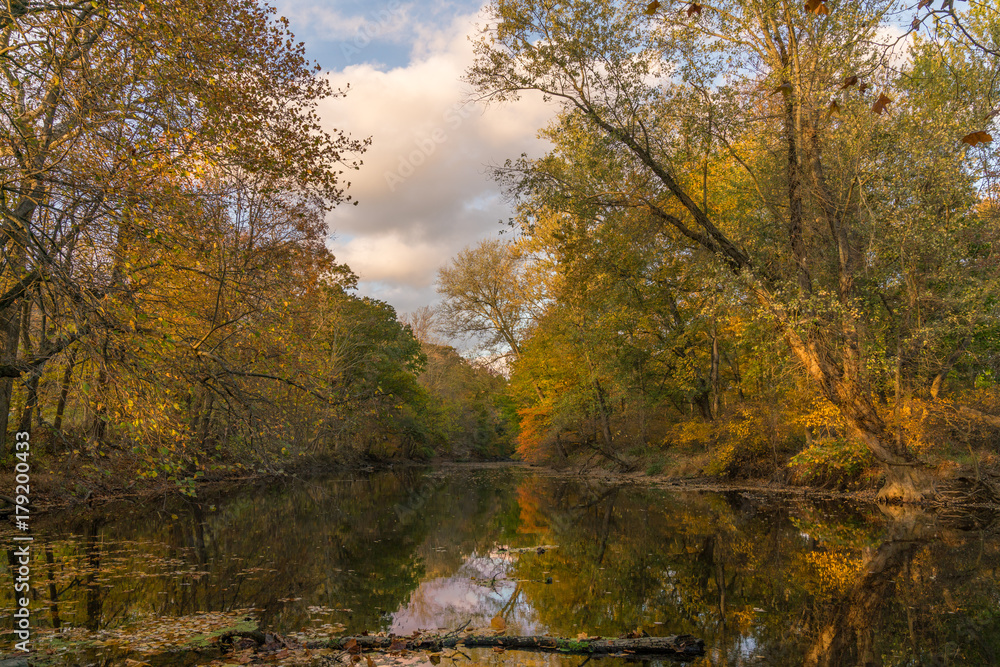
[763,580]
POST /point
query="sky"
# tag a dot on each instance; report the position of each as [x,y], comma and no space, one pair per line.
[424,191]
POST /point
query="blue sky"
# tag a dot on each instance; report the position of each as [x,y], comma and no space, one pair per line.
[424,192]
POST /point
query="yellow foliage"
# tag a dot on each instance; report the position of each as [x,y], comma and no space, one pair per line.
[690,434]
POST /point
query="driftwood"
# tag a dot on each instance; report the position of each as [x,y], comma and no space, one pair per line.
[681,646]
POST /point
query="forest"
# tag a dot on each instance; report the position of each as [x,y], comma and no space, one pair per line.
[725,387]
[169,307]
[762,244]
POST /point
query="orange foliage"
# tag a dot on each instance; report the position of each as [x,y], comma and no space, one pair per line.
[535,420]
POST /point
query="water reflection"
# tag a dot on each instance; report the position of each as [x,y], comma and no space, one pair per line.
[761,580]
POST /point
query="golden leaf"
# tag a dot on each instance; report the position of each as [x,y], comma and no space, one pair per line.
[498,624]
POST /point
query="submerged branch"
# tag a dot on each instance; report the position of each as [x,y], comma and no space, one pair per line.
[675,645]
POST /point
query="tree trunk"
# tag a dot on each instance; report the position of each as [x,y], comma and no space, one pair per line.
[64,391]
[734,365]
[907,480]
[946,367]
[10,336]
[15,238]
[715,369]
[31,399]
[98,425]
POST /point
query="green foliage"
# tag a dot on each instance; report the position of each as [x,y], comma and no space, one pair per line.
[655,468]
[837,462]
[464,410]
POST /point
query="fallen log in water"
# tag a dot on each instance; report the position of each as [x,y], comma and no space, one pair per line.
[675,645]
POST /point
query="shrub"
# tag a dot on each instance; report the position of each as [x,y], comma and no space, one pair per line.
[838,462]
[748,442]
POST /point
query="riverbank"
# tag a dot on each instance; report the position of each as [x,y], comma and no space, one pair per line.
[77,480]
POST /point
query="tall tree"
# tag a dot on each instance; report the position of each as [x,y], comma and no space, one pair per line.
[799,103]
[489,297]
[113,108]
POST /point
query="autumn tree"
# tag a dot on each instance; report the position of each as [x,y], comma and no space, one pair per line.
[115,112]
[489,296]
[774,138]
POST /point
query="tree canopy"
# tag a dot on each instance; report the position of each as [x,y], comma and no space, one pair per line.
[762,162]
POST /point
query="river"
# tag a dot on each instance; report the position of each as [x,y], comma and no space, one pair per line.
[763,580]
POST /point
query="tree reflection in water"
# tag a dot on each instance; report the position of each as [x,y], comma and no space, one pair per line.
[761,580]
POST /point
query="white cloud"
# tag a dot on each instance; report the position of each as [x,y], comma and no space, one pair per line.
[388,258]
[424,190]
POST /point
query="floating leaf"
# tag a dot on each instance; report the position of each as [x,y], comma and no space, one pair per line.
[833,109]
[863,87]
[397,645]
[351,646]
[695,8]
[848,82]
[915,23]
[652,7]
[992,114]
[924,3]
[498,624]
[785,89]
[977,138]
[435,659]
[880,104]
